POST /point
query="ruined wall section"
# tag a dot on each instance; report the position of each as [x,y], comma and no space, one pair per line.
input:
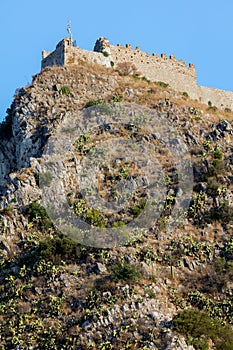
[219,98]
[75,54]
[66,54]
[175,73]
[55,58]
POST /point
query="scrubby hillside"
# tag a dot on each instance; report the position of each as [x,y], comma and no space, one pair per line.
[169,284]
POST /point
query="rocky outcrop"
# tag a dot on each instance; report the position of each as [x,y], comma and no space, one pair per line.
[106,297]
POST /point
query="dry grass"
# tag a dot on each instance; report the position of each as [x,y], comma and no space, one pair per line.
[144,93]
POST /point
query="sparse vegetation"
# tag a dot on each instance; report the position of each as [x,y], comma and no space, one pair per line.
[126,68]
[117,97]
[93,103]
[38,214]
[59,248]
[137,208]
[223,213]
[185,94]
[83,143]
[162,84]
[65,90]
[92,216]
[124,272]
[200,328]
[56,293]
[105,53]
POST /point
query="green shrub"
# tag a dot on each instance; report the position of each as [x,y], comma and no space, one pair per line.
[93,103]
[94,217]
[124,272]
[136,76]
[65,90]
[222,214]
[119,223]
[209,103]
[82,144]
[185,94]
[200,327]
[151,294]
[162,84]
[59,248]
[228,249]
[137,208]
[37,211]
[217,167]
[217,154]
[105,53]
[117,98]
[146,79]
[212,188]
[112,63]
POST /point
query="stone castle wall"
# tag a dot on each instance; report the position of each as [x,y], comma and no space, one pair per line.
[219,98]
[55,58]
[174,72]
[67,54]
[169,70]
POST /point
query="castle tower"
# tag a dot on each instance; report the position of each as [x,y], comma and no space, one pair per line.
[57,57]
[102,45]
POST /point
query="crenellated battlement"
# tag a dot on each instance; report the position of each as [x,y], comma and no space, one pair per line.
[102,45]
[168,69]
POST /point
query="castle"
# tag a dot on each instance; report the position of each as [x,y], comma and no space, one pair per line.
[174,72]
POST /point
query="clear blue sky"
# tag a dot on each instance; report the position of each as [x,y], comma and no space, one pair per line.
[197,31]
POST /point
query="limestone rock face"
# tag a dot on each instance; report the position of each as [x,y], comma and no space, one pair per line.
[38,109]
[55,98]
[130,292]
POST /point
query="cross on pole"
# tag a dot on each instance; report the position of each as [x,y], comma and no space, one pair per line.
[69,29]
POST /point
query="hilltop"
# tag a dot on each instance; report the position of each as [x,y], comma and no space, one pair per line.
[167,69]
[167,286]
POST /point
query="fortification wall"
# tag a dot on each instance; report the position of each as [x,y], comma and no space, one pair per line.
[169,70]
[55,58]
[74,54]
[66,53]
[218,98]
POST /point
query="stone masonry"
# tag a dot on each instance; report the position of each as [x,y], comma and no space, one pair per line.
[174,72]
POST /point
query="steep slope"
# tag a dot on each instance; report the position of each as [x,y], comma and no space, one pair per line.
[89,292]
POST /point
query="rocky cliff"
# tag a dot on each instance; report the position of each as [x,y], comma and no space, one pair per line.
[147,175]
